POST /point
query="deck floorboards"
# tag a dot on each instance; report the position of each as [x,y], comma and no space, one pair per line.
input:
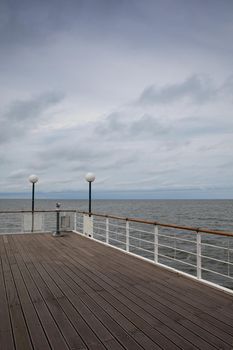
[75,293]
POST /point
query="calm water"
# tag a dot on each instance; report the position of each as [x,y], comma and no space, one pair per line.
[216,214]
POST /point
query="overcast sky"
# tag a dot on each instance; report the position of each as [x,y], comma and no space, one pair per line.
[138,92]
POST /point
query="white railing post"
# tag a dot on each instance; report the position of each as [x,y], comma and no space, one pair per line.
[75,221]
[198,255]
[127,235]
[156,243]
[107,230]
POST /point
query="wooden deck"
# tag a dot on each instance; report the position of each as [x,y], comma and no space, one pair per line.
[75,293]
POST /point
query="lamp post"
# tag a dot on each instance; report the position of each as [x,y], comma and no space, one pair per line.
[33,179]
[90,177]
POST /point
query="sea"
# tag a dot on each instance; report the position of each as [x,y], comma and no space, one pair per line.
[213,214]
[210,214]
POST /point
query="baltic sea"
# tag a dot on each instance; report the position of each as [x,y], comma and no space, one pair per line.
[214,214]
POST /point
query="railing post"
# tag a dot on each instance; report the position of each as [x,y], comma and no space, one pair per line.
[83,218]
[198,255]
[107,230]
[127,235]
[156,243]
[75,221]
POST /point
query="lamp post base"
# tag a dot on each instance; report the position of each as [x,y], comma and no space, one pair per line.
[56,234]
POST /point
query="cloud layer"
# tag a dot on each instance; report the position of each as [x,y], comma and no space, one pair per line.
[139,93]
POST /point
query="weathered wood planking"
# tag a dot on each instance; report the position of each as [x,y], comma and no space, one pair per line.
[74,293]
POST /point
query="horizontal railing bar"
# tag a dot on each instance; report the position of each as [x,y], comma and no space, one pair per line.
[183,262]
[142,240]
[217,246]
[184,251]
[98,234]
[177,249]
[176,238]
[166,246]
[221,261]
[145,250]
[116,225]
[117,233]
[141,231]
[99,223]
[217,273]
[116,240]
[184,240]
[100,228]
[187,228]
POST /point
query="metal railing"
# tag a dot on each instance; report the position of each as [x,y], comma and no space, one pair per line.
[20,221]
[205,254]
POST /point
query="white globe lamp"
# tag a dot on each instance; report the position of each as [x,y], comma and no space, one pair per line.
[90,177]
[33,179]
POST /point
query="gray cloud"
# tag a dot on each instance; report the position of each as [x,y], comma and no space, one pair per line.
[117,126]
[203,125]
[228,165]
[73,151]
[132,23]
[19,174]
[195,88]
[23,116]
[30,23]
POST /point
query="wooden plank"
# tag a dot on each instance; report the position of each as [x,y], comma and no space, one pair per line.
[6,335]
[20,331]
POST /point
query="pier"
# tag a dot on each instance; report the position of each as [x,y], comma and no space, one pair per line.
[73,292]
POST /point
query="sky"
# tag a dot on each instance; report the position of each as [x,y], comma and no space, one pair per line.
[138,92]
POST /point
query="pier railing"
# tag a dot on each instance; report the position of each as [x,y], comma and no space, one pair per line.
[205,254]
[24,221]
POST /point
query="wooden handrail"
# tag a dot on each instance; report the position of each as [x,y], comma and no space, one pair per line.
[37,211]
[148,222]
